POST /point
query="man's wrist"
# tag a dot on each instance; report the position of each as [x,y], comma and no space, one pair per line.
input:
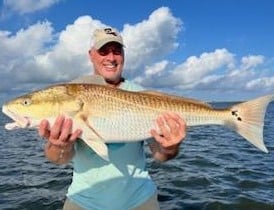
[173,150]
[59,154]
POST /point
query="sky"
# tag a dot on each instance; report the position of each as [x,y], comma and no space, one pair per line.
[211,50]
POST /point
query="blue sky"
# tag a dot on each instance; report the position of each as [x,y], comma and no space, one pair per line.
[210,50]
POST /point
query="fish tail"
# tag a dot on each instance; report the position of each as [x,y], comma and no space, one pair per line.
[248,120]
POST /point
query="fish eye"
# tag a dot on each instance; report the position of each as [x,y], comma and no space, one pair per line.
[26,101]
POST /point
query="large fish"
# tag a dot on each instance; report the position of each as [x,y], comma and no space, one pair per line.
[108,114]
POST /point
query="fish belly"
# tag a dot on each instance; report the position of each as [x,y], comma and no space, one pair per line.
[124,128]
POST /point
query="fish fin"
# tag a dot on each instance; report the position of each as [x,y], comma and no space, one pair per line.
[152,92]
[90,79]
[71,107]
[98,146]
[188,100]
[248,120]
[93,130]
[92,138]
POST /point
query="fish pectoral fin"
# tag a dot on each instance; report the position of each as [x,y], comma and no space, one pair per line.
[92,138]
[73,106]
[98,146]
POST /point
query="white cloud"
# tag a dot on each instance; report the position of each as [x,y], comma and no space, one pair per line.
[261,83]
[69,57]
[196,68]
[18,50]
[211,74]
[189,73]
[25,42]
[156,68]
[39,55]
[251,61]
[36,55]
[27,6]
[151,39]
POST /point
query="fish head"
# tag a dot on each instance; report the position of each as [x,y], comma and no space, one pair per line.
[29,110]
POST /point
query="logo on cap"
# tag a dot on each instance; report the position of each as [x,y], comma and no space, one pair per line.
[110,31]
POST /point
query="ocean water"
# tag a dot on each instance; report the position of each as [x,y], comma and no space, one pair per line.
[215,170]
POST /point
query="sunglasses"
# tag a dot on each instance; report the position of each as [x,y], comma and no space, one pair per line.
[105,50]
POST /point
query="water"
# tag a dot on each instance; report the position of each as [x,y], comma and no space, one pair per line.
[216,170]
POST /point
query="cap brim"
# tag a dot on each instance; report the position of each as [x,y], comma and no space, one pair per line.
[101,43]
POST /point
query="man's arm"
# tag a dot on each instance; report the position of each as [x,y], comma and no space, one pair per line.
[172,132]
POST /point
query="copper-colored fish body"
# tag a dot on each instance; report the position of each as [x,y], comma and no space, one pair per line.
[108,115]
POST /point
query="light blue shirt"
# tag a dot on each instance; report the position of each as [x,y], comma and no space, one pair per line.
[122,183]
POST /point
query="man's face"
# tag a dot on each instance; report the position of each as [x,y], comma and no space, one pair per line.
[108,61]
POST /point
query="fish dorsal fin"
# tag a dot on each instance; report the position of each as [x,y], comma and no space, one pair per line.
[90,79]
[190,100]
[195,101]
[153,92]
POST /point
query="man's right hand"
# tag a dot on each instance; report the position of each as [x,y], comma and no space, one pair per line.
[60,133]
[59,148]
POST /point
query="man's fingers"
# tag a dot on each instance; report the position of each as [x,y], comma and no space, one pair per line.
[157,137]
[43,129]
[165,131]
[56,128]
[176,124]
[76,134]
[172,122]
[66,130]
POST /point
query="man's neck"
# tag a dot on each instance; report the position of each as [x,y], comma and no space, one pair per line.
[115,83]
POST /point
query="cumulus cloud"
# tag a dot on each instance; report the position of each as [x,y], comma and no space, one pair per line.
[18,50]
[68,58]
[261,83]
[195,68]
[156,69]
[39,55]
[151,39]
[189,73]
[251,61]
[215,73]
[26,42]
[27,6]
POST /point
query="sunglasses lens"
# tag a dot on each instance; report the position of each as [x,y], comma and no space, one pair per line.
[116,50]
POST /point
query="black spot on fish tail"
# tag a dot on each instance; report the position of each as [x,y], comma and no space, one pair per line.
[236,114]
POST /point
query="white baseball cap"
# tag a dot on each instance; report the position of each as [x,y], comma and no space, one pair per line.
[104,36]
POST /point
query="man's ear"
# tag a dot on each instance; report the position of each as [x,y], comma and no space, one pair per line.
[91,54]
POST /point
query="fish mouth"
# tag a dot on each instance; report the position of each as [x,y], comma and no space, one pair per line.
[19,121]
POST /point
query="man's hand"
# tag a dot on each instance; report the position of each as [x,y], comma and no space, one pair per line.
[60,134]
[167,141]
[60,139]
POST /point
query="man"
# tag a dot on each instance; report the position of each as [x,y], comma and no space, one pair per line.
[122,183]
